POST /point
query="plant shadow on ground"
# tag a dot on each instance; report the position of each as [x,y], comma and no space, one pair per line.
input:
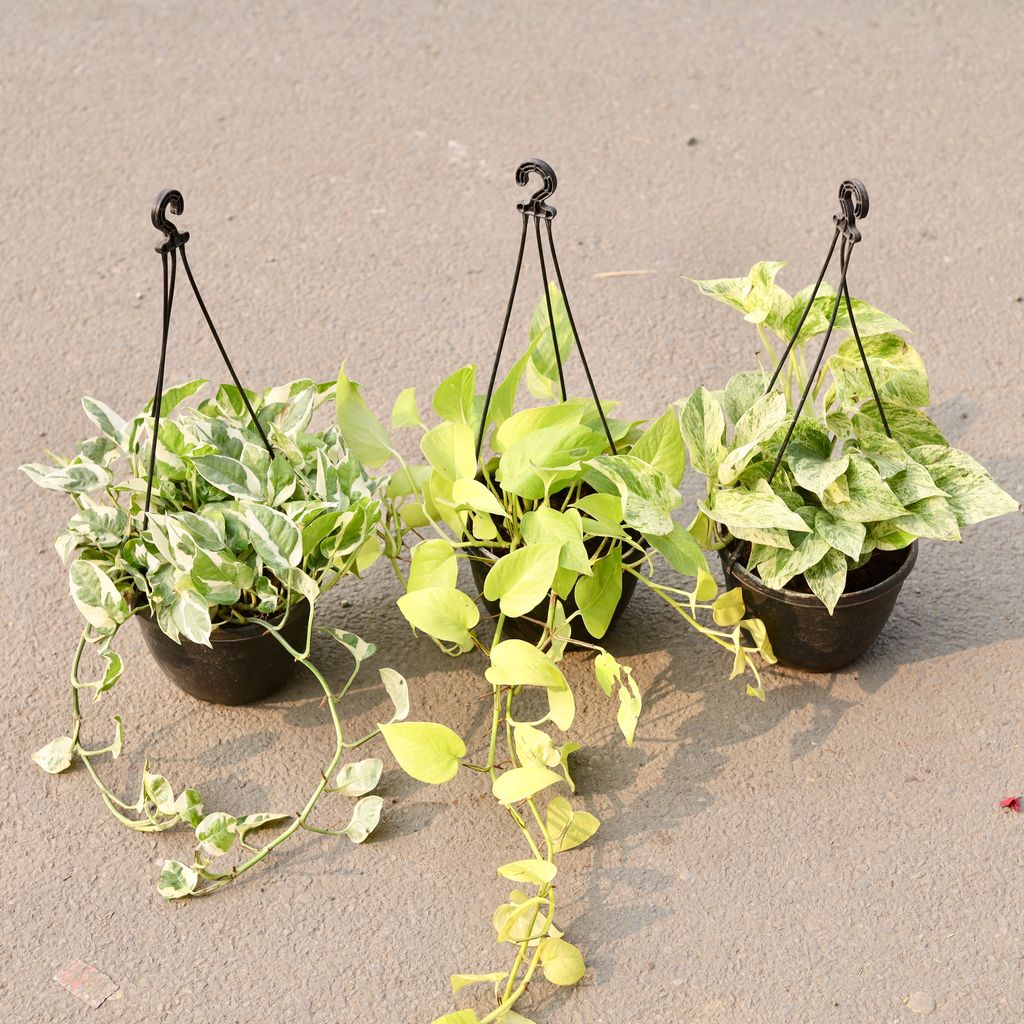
[693,714]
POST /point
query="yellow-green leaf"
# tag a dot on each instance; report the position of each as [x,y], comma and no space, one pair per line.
[358,425]
[523,783]
[433,565]
[441,612]
[521,580]
[728,609]
[569,828]
[536,872]
[518,663]
[562,962]
[461,981]
[427,751]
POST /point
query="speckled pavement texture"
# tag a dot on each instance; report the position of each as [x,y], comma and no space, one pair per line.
[347,171]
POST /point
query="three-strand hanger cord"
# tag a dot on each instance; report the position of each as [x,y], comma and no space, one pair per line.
[169,249]
[853,200]
[539,210]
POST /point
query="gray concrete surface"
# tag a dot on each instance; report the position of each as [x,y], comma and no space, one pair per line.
[348,177]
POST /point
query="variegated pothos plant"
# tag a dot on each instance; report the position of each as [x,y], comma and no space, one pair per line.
[234,535]
[844,488]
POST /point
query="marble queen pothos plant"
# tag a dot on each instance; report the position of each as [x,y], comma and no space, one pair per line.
[844,489]
[233,536]
[557,520]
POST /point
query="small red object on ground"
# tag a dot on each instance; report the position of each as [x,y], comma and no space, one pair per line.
[86,982]
[1011,803]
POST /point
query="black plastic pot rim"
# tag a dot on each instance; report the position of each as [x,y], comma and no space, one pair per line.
[796,597]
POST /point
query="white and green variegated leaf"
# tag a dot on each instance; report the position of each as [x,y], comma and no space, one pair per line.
[868,497]
[808,549]
[742,391]
[365,818]
[174,396]
[702,423]
[216,833]
[231,476]
[360,649]
[176,880]
[755,427]
[896,368]
[56,756]
[190,613]
[759,509]
[103,526]
[756,296]
[847,537]
[359,777]
[397,689]
[910,427]
[827,578]
[932,518]
[105,418]
[96,596]
[972,494]
[275,537]
[648,496]
[76,478]
[220,577]
[809,459]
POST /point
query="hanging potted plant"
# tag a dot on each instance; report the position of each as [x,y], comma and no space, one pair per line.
[224,575]
[219,528]
[822,478]
[560,509]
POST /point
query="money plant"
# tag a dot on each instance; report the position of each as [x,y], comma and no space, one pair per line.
[559,520]
[844,488]
[234,535]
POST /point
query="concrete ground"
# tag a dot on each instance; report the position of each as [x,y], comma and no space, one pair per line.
[347,171]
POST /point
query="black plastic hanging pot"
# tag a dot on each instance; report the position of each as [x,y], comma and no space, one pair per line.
[243,664]
[802,633]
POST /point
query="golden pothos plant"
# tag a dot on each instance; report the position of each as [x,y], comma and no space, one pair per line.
[561,513]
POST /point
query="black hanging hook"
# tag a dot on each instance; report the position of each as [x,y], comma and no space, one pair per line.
[535,205]
[171,199]
[853,200]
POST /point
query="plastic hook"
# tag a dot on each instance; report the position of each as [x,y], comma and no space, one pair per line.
[853,201]
[535,205]
[170,199]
